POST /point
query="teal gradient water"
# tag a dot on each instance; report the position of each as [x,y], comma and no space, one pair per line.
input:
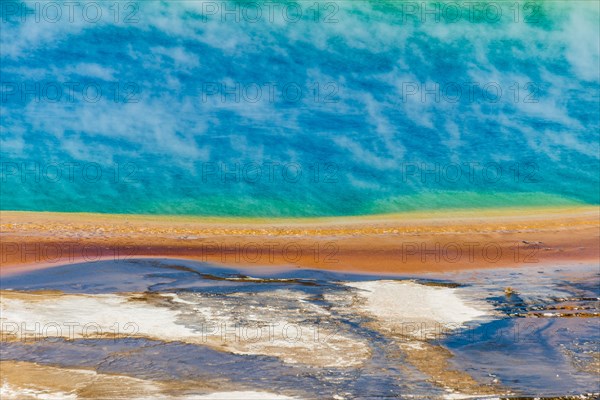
[354,107]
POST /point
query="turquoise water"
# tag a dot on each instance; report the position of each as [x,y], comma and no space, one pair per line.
[301,109]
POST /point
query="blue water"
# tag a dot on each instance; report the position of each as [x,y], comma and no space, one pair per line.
[348,119]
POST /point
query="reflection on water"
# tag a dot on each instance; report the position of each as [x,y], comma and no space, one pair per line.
[549,339]
[198,329]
